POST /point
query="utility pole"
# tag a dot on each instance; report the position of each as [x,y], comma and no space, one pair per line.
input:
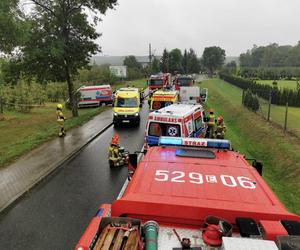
[150,55]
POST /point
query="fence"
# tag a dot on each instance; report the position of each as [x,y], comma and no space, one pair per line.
[283,116]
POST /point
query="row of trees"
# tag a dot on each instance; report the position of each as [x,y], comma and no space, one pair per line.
[273,73]
[278,96]
[175,61]
[272,55]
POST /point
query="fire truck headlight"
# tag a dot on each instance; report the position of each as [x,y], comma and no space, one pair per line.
[136,114]
[115,114]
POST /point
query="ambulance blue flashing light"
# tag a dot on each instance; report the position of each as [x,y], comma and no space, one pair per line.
[195,142]
[175,141]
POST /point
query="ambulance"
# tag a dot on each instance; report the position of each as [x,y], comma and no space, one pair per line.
[176,120]
[95,95]
[163,98]
[126,106]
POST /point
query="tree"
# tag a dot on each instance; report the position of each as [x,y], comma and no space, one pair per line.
[193,63]
[132,63]
[164,62]
[12,25]
[213,58]
[61,40]
[155,66]
[230,68]
[175,61]
[185,62]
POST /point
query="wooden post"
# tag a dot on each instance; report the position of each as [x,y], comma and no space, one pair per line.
[1,109]
[286,115]
[269,109]
[243,96]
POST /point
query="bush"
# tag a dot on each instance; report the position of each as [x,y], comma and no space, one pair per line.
[251,101]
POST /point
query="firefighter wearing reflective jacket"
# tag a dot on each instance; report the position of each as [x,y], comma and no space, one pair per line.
[115,157]
[211,121]
[60,118]
[221,128]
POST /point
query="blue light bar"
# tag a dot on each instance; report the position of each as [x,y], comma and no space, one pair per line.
[217,143]
[175,141]
[195,142]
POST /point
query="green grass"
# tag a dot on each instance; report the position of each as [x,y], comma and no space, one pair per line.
[256,138]
[22,132]
[290,84]
[277,115]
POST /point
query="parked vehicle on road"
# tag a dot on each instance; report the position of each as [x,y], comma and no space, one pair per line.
[160,81]
[162,98]
[95,95]
[126,106]
[183,81]
[193,193]
[183,120]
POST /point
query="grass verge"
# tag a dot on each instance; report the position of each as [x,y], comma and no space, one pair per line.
[22,132]
[256,138]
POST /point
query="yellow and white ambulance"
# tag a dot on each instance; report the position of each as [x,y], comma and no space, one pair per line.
[126,106]
[163,98]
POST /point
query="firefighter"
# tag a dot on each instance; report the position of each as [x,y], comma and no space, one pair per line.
[211,121]
[60,120]
[221,128]
[115,157]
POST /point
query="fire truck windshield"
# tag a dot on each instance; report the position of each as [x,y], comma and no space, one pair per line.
[184,81]
[156,82]
[126,102]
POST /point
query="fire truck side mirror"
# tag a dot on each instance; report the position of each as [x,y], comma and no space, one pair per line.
[258,165]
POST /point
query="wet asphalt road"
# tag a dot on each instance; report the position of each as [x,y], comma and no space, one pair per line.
[55,213]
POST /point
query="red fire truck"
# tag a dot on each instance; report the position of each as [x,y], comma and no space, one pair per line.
[183,81]
[160,81]
[194,193]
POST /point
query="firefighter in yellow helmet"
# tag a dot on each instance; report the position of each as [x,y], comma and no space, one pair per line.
[211,121]
[221,128]
[114,155]
[60,120]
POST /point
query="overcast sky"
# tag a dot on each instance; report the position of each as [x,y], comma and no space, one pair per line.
[234,25]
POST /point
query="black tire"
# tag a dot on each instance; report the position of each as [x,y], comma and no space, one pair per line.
[111,163]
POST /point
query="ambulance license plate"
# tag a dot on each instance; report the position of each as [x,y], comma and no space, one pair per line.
[126,121]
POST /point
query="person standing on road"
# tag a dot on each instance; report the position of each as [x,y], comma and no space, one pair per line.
[221,128]
[60,120]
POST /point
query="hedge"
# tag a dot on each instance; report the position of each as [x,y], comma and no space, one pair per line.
[279,96]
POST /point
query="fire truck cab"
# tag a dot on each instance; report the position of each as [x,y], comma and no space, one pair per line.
[193,193]
[176,120]
[183,81]
[159,81]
